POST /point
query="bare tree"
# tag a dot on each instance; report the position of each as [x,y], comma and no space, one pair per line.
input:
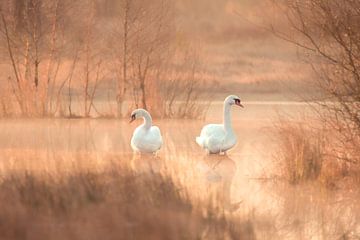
[32,30]
[129,12]
[329,32]
[144,34]
[149,50]
[92,62]
[56,58]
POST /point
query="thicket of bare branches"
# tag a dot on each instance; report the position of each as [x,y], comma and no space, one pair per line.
[329,32]
[61,56]
[182,88]
[32,36]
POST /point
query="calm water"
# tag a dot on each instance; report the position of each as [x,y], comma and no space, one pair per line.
[243,180]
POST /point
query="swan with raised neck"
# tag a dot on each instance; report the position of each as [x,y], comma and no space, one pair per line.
[228,102]
[218,138]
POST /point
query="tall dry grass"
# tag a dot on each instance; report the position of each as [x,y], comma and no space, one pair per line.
[301,151]
[310,152]
[104,198]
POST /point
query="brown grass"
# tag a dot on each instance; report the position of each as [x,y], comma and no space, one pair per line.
[307,153]
[106,201]
[301,151]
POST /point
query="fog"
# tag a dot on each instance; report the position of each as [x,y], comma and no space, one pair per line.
[73,72]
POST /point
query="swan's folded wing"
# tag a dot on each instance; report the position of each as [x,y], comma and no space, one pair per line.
[149,141]
[211,135]
[155,137]
[204,134]
[215,143]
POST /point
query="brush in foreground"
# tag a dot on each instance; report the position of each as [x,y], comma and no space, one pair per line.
[113,204]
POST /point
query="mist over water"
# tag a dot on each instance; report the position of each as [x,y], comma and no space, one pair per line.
[71,72]
[243,182]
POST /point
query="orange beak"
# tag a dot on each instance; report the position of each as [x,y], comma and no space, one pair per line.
[240,105]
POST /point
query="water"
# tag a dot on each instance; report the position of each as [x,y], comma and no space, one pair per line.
[243,181]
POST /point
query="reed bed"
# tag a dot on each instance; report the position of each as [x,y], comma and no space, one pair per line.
[83,196]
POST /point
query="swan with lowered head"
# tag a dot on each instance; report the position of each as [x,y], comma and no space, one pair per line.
[218,138]
[146,138]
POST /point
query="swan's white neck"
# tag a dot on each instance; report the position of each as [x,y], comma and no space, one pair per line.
[147,120]
[227,117]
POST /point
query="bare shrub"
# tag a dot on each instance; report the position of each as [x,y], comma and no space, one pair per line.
[182,88]
[329,33]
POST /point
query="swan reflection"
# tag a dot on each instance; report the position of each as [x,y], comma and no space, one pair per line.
[218,172]
[146,163]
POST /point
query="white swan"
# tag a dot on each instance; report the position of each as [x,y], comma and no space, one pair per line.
[218,138]
[146,138]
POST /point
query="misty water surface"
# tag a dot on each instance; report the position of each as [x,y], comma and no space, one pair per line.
[244,182]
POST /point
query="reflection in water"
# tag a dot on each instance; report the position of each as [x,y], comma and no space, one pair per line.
[275,209]
[310,211]
[146,163]
[218,172]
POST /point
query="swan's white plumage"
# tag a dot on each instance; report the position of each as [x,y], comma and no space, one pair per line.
[146,138]
[214,139]
[218,138]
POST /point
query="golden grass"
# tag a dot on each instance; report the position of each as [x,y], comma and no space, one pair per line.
[308,153]
[301,151]
[103,197]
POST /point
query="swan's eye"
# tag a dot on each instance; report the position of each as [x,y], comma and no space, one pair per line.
[237,101]
[133,116]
